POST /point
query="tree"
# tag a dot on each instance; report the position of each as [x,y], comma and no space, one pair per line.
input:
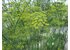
[34,25]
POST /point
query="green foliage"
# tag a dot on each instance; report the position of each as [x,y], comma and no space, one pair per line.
[29,25]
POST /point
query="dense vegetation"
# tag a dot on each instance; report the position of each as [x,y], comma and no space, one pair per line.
[34,25]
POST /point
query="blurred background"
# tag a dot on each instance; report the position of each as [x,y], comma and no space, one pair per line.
[34,24]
